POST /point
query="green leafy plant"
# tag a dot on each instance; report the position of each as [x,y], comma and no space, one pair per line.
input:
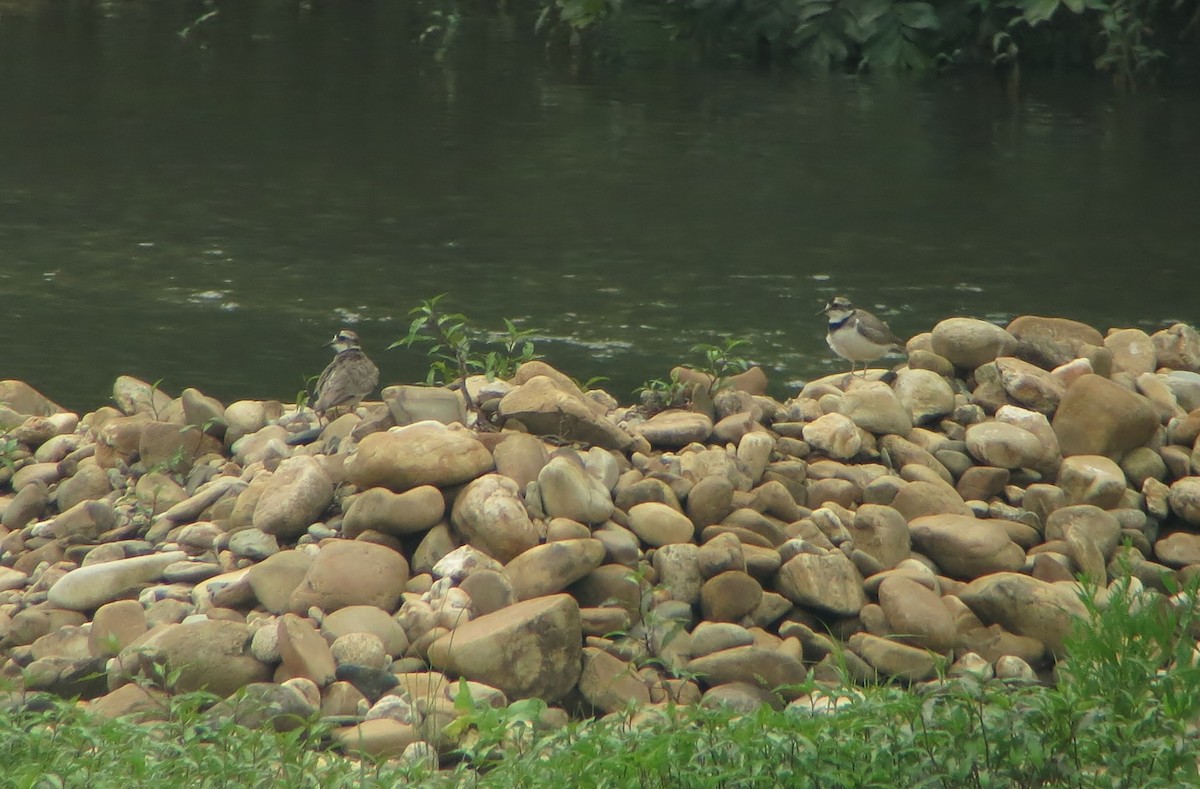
[305,395]
[1129,53]
[518,348]
[1131,39]
[590,383]
[173,465]
[575,16]
[897,35]
[210,12]
[487,734]
[441,28]
[445,333]
[892,34]
[452,350]
[1118,655]
[10,450]
[1124,35]
[720,362]
[657,394]
[155,388]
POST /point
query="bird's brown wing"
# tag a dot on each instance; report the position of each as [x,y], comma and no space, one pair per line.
[365,377]
[323,380]
[351,376]
[876,330]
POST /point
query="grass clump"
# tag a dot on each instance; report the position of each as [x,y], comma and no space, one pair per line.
[53,743]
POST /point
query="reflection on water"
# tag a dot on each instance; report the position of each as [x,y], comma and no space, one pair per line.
[207,210]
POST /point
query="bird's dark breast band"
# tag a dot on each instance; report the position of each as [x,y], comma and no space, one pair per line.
[834,326]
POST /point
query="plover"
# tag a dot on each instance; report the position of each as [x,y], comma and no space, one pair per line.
[857,335]
[349,378]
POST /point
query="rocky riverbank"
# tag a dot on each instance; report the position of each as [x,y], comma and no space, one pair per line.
[591,554]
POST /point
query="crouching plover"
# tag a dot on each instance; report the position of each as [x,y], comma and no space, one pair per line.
[349,378]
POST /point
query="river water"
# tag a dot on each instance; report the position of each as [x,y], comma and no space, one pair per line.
[206,210]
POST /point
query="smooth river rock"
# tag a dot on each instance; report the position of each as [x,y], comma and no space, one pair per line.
[381,510]
[1180,549]
[927,395]
[551,568]
[212,655]
[827,582]
[303,651]
[531,648]
[424,453]
[1092,479]
[1178,347]
[1028,384]
[490,514]
[894,658]
[767,668]
[295,497]
[674,429]
[965,547]
[548,406]
[1064,331]
[970,342]
[678,568]
[917,615]
[351,572]
[366,619]
[610,684]
[1133,351]
[87,588]
[1099,417]
[658,524]
[1026,606]
[882,533]
[1003,445]
[1184,498]
[569,491]
[874,407]
[834,435]
[24,399]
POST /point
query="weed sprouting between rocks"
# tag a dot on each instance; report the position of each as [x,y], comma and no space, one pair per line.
[452,342]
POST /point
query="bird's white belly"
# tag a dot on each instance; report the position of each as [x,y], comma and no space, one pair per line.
[851,345]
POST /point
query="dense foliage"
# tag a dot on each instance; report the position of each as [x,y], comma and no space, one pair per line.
[1131,39]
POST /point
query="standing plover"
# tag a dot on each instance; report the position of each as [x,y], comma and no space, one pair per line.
[857,335]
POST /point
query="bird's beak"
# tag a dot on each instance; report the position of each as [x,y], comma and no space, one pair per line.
[330,343]
[822,311]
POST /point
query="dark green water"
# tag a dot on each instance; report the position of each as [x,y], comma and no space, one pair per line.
[207,211]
